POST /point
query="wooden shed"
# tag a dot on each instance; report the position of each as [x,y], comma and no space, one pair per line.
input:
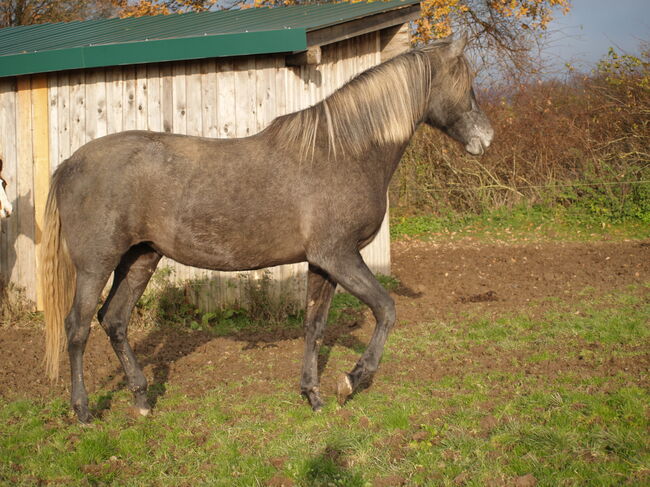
[214,74]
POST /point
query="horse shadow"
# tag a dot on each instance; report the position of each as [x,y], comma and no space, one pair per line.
[164,345]
[12,228]
[330,467]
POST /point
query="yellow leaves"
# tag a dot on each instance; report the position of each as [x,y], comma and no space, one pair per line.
[625,69]
[141,8]
[274,3]
[437,16]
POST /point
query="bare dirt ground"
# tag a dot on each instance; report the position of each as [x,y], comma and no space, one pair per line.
[438,282]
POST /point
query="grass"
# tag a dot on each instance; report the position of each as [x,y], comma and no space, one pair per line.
[555,397]
[525,222]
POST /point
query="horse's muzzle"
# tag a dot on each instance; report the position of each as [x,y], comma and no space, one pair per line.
[476,146]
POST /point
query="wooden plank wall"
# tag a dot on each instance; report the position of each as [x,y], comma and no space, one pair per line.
[230,97]
[11,247]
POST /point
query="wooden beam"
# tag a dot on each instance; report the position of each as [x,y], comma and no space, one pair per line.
[25,267]
[362,26]
[393,41]
[41,157]
[311,56]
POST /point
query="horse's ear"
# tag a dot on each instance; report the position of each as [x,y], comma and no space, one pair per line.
[457,46]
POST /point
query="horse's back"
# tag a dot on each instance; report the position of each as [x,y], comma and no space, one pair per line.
[204,202]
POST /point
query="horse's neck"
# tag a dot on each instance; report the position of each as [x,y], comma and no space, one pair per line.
[382,108]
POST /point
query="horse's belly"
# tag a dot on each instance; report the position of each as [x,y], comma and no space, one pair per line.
[231,256]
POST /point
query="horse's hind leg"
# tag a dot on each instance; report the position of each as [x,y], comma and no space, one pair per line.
[130,280]
[351,272]
[320,289]
[77,327]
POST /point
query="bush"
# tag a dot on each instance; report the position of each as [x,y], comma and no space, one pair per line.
[583,141]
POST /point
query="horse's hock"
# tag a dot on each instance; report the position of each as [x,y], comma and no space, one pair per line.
[216,81]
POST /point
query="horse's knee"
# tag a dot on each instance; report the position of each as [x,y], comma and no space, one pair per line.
[391,314]
[385,313]
[116,330]
[77,336]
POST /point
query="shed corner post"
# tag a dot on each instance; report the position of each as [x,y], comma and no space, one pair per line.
[41,165]
[394,40]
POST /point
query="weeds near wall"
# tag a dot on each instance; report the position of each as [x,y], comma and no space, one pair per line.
[259,303]
[262,305]
[264,302]
[15,308]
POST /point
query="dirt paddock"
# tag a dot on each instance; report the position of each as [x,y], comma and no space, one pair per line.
[437,282]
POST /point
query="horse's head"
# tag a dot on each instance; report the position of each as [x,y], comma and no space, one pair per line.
[5,205]
[452,104]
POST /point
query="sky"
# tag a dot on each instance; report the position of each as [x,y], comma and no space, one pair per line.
[585,34]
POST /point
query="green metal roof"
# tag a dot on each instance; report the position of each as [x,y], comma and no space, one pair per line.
[111,42]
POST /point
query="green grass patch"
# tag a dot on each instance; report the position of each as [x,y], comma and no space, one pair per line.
[525,222]
[554,396]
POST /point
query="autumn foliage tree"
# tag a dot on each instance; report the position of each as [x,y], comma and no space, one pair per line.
[140,8]
[502,32]
[27,12]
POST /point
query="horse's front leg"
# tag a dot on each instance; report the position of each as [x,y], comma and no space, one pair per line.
[351,272]
[320,290]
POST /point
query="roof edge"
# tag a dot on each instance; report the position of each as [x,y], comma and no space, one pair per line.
[153,51]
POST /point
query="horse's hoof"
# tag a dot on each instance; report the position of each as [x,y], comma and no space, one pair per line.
[316,404]
[144,411]
[315,401]
[137,412]
[84,417]
[343,389]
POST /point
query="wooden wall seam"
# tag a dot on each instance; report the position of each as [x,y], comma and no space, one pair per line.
[41,165]
[24,274]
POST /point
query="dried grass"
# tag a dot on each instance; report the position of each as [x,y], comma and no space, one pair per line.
[550,136]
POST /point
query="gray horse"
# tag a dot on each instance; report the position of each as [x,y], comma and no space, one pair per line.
[310,187]
[5,204]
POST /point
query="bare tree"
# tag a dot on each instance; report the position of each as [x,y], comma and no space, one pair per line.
[27,12]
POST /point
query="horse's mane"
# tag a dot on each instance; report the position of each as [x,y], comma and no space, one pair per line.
[380,105]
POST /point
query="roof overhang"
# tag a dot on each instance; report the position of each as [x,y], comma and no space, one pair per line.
[347,30]
[154,51]
[363,25]
[273,41]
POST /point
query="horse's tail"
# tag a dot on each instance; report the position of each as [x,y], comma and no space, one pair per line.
[57,282]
